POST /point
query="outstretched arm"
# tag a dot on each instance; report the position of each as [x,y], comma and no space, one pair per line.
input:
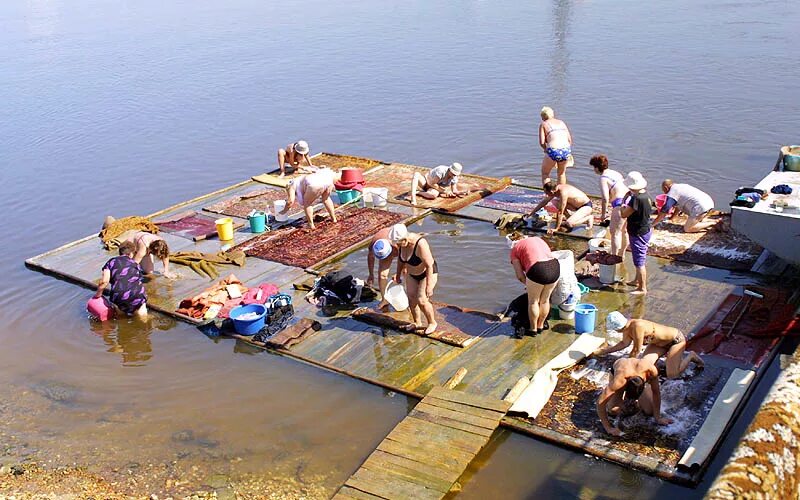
[371,265]
[602,401]
[541,204]
[518,270]
[562,207]
[625,342]
[103,283]
[656,388]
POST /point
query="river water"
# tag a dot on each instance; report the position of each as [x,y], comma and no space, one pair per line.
[128,107]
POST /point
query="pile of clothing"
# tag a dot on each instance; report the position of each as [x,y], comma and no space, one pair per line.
[217,300]
[338,288]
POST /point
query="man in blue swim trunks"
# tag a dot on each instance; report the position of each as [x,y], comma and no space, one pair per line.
[572,203]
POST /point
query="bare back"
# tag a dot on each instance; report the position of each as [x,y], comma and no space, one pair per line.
[574,197]
[649,332]
[556,133]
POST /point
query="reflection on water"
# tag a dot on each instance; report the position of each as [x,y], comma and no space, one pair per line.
[130,337]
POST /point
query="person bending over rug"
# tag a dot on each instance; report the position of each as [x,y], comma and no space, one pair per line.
[572,203]
[688,200]
[441,181]
[626,393]
[636,209]
[124,276]
[292,156]
[556,142]
[307,189]
[382,248]
[660,340]
[149,248]
[613,191]
[415,259]
[537,269]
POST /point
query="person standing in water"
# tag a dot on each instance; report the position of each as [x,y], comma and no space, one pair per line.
[637,209]
[556,142]
[626,387]
[382,248]
[307,189]
[613,191]
[416,259]
[292,156]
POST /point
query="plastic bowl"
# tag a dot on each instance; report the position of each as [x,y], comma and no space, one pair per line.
[395,294]
[251,326]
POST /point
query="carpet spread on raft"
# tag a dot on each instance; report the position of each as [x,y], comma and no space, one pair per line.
[687,401]
[242,205]
[335,162]
[190,225]
[513,199]
[305,247]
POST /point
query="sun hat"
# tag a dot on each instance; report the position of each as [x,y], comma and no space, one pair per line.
[301,147]
[382,248]
[456,168]
[635,181]
[398,232]
[616,321]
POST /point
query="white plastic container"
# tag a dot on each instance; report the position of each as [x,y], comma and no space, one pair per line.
[380,196]
[596,244]
[562,314]
[607,273]
[277,207]
[395,294]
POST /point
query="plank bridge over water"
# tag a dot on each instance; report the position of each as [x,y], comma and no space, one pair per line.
[427,452]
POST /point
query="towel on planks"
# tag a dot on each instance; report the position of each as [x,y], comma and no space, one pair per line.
[205,263]
[113,231]
[272,180]
[446,333]
[545,379]
[286,337]
[217,294]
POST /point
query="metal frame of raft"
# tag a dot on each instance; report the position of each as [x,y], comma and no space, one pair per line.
[515,424]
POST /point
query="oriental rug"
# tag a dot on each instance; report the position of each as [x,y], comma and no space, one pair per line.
[242,205]
[305,247]
[513,199]
[191,225]
[335,162]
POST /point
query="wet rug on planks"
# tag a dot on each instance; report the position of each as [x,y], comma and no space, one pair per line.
[191,225]
[571,412]
[305,247]
[335,162]
[242,205]
[720,247]
[746,328]
[513,199]
[397,178]
[457,326]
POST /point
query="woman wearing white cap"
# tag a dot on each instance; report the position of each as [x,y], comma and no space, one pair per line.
[307,189]
[382,248]
[637,208]
[415,259]
[441,181]
[293,155]
[659,339]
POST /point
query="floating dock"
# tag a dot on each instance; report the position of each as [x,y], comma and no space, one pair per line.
[683,295]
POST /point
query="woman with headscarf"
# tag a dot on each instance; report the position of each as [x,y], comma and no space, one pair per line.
[416,260]
[308,189]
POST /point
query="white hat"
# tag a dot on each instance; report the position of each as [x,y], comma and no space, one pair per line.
[456,168]
[301,147]
[616,321]
[382,248]
[635,181]
[398,232]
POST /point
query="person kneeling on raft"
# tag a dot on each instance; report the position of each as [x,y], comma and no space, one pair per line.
[416,259]
[382,248]
[292,156]
[572,203]
[440,182]
[310,188]
[660,340]
[627,394]
[127,284]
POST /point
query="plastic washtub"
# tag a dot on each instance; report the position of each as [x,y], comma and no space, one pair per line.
[251,326]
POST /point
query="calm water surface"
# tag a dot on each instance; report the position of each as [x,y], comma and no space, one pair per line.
[128,107]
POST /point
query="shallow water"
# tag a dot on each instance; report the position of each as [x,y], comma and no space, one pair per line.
[126,108]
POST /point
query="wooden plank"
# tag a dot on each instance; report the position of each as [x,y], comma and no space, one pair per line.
[411,452]
[433,445]
[426,432]
[348,493]
[487,423]
[410,474]
[388,459]
[469,410]
[389,486]
[470,399]
[449,422]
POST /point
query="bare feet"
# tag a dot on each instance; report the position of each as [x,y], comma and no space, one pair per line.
[431,328]
[698,360]
[639,291]
[382,306]
[632,283]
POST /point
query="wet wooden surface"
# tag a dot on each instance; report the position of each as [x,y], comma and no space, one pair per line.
[426,453]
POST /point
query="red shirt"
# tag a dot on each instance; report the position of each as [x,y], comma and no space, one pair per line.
[530,251]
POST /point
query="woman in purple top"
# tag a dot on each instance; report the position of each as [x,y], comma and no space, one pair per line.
[125,277]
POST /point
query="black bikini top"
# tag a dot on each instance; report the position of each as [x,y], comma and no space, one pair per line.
[414,259]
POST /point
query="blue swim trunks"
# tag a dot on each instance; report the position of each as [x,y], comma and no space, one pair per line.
[560,154]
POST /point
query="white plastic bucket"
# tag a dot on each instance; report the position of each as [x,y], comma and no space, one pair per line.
[395,294]
[607,273]
[562,314]
[379,196]
[277,206]
[596,244]
[566,262]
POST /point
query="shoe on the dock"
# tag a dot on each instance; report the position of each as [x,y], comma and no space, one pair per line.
[545,326]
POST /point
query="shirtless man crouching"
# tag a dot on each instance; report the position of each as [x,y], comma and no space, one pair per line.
[573,204]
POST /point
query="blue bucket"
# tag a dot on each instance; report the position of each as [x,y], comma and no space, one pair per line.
[248,326]
[347,196]
[258,222]
[585,315]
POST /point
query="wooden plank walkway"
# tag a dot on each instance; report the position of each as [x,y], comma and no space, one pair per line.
[427,452]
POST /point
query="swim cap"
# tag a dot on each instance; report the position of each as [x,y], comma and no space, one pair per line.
[616,321]
[382,248]
[398,232]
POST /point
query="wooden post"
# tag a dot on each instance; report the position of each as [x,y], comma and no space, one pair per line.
[456,378]
[517,390]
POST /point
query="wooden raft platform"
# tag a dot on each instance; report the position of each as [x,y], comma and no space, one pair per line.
[427,452]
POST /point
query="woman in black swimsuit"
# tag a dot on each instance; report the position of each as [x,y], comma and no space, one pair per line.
[416,259]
